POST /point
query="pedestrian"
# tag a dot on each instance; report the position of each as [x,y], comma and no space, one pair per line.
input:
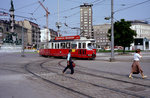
[69,63]
[136,68]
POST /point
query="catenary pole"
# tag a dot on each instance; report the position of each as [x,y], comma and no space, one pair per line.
[112,33]
[22,53]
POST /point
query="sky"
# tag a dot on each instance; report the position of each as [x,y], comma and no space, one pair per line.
[69,11]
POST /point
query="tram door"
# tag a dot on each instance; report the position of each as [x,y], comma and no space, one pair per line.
[82,50]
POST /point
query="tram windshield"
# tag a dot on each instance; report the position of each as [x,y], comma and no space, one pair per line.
[91,46]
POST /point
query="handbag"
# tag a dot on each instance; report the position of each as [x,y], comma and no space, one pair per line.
[73,64]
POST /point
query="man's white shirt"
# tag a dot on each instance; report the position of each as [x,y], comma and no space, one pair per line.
[68,58]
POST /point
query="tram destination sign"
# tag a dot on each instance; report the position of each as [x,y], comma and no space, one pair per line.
[67,37]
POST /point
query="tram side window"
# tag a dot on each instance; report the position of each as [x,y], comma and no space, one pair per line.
[58,45]
[55,46]
[68,45]
[84,45]
[79,45]
[52,45]
[62,45]
[73,46]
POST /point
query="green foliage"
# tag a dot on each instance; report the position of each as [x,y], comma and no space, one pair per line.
[100,51]
[123,34]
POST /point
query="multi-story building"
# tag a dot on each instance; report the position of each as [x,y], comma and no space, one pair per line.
[100,35]
[33,32]
[86,21]
[142,29]
[142,40]
[5,31]
[51,36]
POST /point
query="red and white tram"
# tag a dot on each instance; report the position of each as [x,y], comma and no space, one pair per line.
[81,47]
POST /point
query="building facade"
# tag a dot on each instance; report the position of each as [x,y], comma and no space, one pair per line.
[142,40]
[100,35]
[51,36]
[44,33]
[33,32]
[5,35]
[86,29]
[142,29]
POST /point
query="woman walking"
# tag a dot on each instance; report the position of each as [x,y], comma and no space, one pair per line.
[136,68]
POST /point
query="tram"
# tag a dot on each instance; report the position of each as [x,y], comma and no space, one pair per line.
[81,47]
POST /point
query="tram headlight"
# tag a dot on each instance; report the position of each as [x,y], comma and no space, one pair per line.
[89,55]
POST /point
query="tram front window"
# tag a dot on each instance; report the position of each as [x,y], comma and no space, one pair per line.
[91,46]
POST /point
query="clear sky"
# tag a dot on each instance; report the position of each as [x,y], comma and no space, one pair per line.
[70,11]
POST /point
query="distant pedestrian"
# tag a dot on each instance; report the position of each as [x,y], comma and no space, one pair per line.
[136,68]
[69,63]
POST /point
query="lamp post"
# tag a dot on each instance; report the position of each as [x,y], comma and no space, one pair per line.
[58,24]
[112,33]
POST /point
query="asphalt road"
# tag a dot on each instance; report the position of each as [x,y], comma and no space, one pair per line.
[38,77]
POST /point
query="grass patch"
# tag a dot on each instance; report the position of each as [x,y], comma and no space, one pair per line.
[126,51]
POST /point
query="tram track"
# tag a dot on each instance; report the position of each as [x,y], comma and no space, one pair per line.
[95,85]
[54,83]
[109,78]
[114,79]
[55,70]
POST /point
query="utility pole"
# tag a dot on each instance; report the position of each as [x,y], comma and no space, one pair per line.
[58,24]
[22,39]
[112,33]
[47,13]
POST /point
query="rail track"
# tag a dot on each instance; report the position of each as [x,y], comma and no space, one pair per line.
[86,83]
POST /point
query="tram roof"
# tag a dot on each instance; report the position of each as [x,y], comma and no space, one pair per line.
[60,40]
[70,38]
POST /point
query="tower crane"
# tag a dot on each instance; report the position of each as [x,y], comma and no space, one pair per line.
[47,13]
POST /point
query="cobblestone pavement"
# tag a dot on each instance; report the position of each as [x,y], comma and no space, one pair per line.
[92,78]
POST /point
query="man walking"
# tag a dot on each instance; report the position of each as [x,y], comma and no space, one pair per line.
[69,63]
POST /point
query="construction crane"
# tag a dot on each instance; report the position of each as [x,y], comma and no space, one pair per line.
[47,13]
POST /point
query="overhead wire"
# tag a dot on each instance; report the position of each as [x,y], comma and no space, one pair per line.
[73,14]
[67,10]
[4,9]
[27,5]
[74,1]
[20,16]
[95,1]
[37,7]
[132,6]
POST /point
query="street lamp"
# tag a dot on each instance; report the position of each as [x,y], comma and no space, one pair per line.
[58,25]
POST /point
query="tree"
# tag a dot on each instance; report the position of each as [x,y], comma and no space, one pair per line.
[123,34]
